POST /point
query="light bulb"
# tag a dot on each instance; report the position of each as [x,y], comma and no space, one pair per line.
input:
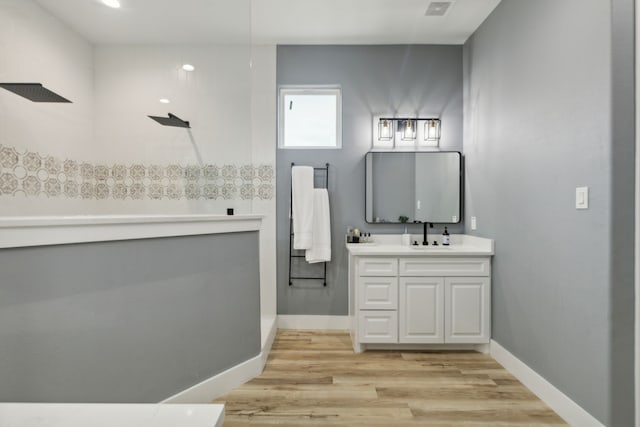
[112,3]
[188,67]
[432,130]
[409,132]
[384,131]
[164,101]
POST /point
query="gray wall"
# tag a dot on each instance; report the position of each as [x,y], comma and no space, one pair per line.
[130,321]
[542,82]
[374,79]
[622,223]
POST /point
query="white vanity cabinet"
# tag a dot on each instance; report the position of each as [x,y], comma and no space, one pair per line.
[404,297]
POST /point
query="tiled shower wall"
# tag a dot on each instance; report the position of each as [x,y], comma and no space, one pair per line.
[101,154]
[31,174]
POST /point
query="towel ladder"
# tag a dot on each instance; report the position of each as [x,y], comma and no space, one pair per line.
[291,254]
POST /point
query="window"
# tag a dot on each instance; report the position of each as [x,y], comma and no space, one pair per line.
[310,117]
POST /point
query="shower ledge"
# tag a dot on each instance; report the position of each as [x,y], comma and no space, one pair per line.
[18,232]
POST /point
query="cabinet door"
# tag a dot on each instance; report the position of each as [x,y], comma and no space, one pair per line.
[421,317]
[467,310]
[378,326]
[378,293]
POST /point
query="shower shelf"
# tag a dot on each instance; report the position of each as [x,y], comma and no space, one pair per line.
[41,231]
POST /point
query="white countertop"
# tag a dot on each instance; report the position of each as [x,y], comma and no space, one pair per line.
[110,414]
[390,245]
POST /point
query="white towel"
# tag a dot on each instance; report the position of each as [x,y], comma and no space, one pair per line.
[320,250]
[302,206]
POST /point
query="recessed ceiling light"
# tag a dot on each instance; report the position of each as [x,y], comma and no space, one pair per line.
[188,67]
[112,3]
[164,101]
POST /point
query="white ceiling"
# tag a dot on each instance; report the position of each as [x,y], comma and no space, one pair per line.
[271,21]
[365,21]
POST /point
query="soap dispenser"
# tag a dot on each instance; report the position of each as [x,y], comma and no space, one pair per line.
[445,237]
[406,238]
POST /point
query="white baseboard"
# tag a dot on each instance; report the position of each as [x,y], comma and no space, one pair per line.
[220,384]
[271,331]
[312,322]
[570,411]
[224,382]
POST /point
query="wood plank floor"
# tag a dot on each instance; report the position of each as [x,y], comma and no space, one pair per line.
[313,378]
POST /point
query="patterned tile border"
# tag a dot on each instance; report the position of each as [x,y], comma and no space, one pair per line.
[33,174]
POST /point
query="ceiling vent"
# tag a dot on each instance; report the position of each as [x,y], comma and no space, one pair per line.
[438,8]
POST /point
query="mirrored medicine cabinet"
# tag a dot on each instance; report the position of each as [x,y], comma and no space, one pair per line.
[413,186]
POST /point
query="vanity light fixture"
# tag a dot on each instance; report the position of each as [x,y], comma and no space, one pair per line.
[112,3]
[409,132]
[432,130]
[188,67]
[385,130]
[393,132]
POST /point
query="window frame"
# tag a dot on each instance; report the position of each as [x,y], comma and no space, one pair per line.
[309,90]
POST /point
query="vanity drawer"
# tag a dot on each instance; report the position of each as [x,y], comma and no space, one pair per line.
[378,293]
[442,266]
[378,326]
[378,267]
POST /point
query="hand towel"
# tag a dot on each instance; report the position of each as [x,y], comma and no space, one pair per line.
[320,250]
[302,206]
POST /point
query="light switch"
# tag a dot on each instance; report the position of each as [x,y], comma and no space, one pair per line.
[582,197]
[474,223]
